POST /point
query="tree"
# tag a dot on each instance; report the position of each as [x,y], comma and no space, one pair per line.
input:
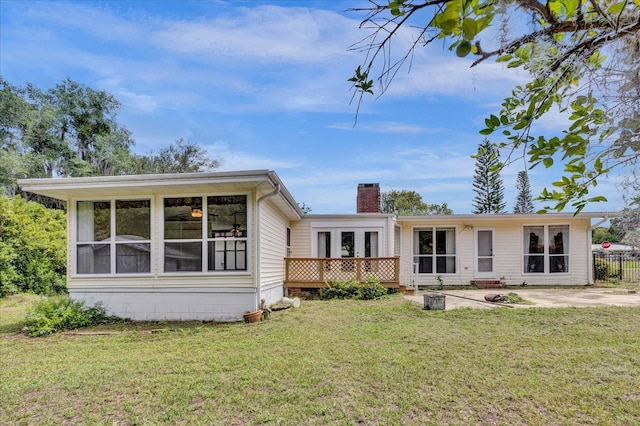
[524,201]
[629,224]
[487,183]
[409,203]
[32,247]
[305,208]
[626,228]
[71,131]
[562,46]
[607,233]
[180,157]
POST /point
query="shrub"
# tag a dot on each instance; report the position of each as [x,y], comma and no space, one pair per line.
[371,289]
[353,289]
[341,289]
[60,313]
[601,269]
[32,248]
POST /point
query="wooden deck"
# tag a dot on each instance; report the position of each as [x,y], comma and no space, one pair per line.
[316,272]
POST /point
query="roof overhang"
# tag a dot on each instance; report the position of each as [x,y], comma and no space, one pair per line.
[509,217]
[140,185]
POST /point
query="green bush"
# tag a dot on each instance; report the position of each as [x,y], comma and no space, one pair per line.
[352,289]
[601,269]
[32,248]
[371,289]
[60,313]
[341,289]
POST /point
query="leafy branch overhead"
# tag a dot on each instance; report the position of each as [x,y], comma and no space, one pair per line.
[583,59]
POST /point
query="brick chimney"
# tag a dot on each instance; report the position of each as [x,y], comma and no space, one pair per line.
[368,198]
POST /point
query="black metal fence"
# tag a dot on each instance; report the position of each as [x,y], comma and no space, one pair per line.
[617,267]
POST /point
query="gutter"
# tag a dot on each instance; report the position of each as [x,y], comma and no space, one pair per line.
[589,254]
[275,191]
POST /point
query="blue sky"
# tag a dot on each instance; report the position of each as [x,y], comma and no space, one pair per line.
[263,85]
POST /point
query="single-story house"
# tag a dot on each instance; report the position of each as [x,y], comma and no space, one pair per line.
[614,248]
[210,246]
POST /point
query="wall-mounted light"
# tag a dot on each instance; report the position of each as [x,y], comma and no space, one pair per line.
[196,213]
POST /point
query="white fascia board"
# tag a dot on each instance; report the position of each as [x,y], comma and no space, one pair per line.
[63,188]
[507,217]
[127,181]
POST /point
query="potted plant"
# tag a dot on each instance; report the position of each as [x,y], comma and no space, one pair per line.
[254,316]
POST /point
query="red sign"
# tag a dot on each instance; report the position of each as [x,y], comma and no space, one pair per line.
[605,244]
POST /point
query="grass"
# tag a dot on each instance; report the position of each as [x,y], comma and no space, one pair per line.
[516,299]
[332,362]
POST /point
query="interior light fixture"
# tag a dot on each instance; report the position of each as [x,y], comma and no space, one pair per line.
[196,212]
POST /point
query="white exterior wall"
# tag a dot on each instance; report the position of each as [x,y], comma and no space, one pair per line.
[508,252]
[406,256]
[219,296]
[171,304]
[273,245]
[301,239]
[306,232]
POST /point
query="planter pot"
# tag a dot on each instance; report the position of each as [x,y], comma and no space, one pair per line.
[254,316]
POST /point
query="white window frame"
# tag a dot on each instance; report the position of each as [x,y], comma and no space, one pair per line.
[547,256]
[397,241]
[288,241]
[112,242]
[206,238]
[434,255]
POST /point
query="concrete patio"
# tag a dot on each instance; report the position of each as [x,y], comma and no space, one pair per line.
[547,298]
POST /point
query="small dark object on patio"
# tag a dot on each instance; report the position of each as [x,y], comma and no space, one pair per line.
[494,298]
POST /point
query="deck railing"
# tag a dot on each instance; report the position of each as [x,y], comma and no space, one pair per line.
[315,272]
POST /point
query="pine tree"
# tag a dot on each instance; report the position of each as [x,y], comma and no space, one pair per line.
[524,202]
[487,183]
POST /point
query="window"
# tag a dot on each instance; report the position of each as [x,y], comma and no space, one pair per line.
[288,243]
[546,249]
[324,244]
[205,233]
[370,244]
[434,250]
[113,236]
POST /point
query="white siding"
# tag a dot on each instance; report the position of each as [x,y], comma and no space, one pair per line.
[273,250]
[220,296]
[172,304]
[508,251]
[301,239]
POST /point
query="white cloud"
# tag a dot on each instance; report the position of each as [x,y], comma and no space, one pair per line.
[233,159]
[389,127]
[262,34]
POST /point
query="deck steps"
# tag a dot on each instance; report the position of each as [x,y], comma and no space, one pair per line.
[405,290]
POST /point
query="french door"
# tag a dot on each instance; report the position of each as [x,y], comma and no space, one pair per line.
[359,243]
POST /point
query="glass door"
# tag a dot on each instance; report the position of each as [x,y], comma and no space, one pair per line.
[484,254]
[347,244]
[359,243]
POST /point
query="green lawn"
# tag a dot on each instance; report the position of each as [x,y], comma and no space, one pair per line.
[332,362]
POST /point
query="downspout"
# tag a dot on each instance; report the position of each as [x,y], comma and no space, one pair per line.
[589,252]
[276,191]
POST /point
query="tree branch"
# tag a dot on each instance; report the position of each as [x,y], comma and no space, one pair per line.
[560,28]
[540,8]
